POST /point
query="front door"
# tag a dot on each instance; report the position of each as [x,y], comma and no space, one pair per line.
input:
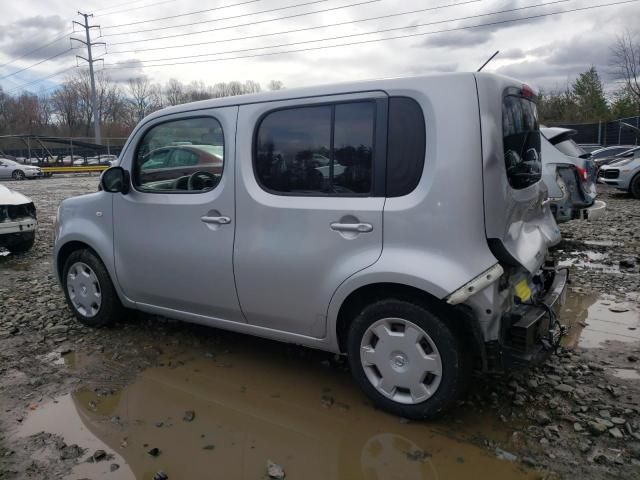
[310,200]
[174,233]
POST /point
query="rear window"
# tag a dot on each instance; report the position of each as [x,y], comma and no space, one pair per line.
[521,140]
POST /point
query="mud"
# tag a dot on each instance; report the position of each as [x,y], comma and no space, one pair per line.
[68,392]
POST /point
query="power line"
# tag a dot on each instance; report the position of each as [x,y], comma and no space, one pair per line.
[224,40]
[351,35]
[99,12]
[36,49]
[481,25]
[183,14]
[217,19]
[33,82]
[37,63]
[249,23]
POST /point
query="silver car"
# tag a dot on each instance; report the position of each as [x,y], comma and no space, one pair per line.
[420,252]
[16,171]
[624,172]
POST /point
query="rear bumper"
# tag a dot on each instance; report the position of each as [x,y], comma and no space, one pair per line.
[19,226]
[529,336]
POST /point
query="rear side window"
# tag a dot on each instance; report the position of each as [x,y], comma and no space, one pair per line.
[180,156]
[317,150]
[521,140]
[406,146]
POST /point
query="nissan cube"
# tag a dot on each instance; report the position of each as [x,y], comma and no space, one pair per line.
[402,222]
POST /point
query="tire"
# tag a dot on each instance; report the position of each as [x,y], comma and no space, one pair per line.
[634,186]
[83,276]
[419,342]
[24,245]
[18,175]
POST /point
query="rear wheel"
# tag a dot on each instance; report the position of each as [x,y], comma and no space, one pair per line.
[17,175]
[634,187]
[406,359]
[89,291]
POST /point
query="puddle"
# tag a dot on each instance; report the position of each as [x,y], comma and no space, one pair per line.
[603,243]
[626,373]
[593,323]
[253,404]
[589,259]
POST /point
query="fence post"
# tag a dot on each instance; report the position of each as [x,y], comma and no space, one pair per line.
[599,132]
[619,131]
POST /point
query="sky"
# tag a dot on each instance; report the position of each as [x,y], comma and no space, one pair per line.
[546,52]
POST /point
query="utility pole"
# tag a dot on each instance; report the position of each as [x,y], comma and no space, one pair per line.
[90,60]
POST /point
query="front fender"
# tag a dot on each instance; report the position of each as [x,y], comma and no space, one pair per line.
[88,219]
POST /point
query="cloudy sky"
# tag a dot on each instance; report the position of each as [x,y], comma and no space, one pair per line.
[231,42]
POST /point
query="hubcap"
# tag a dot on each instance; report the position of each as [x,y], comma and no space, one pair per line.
[400,360]
[84,289]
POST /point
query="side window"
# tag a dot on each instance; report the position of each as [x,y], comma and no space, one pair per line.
[521,141]
[180,156]
[317,150]
[406,146]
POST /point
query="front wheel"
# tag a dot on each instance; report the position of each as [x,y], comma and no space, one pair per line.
[406,359]
[634,187]
[89,291]
[17,175]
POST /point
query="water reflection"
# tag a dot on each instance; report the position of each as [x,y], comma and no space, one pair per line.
[250,408]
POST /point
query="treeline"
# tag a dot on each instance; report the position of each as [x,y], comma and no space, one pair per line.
[68,111]
[584,100]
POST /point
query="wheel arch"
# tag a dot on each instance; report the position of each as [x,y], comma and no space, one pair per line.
[461,322]
[67,249]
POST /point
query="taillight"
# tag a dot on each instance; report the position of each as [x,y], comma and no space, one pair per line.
[527,91]
[582,173]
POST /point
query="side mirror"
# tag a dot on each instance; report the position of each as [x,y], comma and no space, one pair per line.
[116,179]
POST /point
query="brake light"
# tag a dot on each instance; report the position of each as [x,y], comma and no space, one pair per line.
[582,173]
[527,92]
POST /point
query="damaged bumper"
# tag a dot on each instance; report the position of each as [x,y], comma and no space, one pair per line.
[18,226]
[530,335]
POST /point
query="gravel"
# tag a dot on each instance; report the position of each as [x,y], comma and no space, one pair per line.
[569,417]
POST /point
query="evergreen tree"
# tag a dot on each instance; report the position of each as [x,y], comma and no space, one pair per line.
[588,94]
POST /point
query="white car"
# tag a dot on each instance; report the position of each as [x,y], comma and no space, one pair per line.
[13,170]
[18,222]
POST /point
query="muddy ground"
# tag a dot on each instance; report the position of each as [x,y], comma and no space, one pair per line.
[152,398]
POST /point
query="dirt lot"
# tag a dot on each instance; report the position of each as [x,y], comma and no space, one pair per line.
[151,398]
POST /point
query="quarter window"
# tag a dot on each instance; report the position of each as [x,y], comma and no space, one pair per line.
[180,156]
[317,150]
[521,141]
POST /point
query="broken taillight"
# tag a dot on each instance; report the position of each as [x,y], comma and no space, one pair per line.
[582,173]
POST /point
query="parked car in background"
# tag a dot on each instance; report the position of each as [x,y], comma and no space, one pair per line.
[570,178]
[623,172]
[603,155]
[590,147]
[13,170]
[18,222]
[274,244]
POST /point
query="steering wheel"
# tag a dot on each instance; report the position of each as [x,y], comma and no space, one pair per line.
[201,180]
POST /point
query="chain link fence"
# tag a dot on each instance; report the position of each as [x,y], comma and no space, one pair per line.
[612,132]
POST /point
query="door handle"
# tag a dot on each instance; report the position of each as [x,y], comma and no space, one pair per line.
[352,227]
[216,220]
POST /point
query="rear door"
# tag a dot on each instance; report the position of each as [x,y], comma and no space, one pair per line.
[519,224]
[309,204]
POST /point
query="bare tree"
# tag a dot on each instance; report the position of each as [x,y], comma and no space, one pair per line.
[275,85]
[626,58]
[142,97]
[174,92]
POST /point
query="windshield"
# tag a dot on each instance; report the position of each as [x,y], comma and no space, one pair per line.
[571,148]
[521,140]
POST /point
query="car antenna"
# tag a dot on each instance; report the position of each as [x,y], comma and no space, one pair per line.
[488,60]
